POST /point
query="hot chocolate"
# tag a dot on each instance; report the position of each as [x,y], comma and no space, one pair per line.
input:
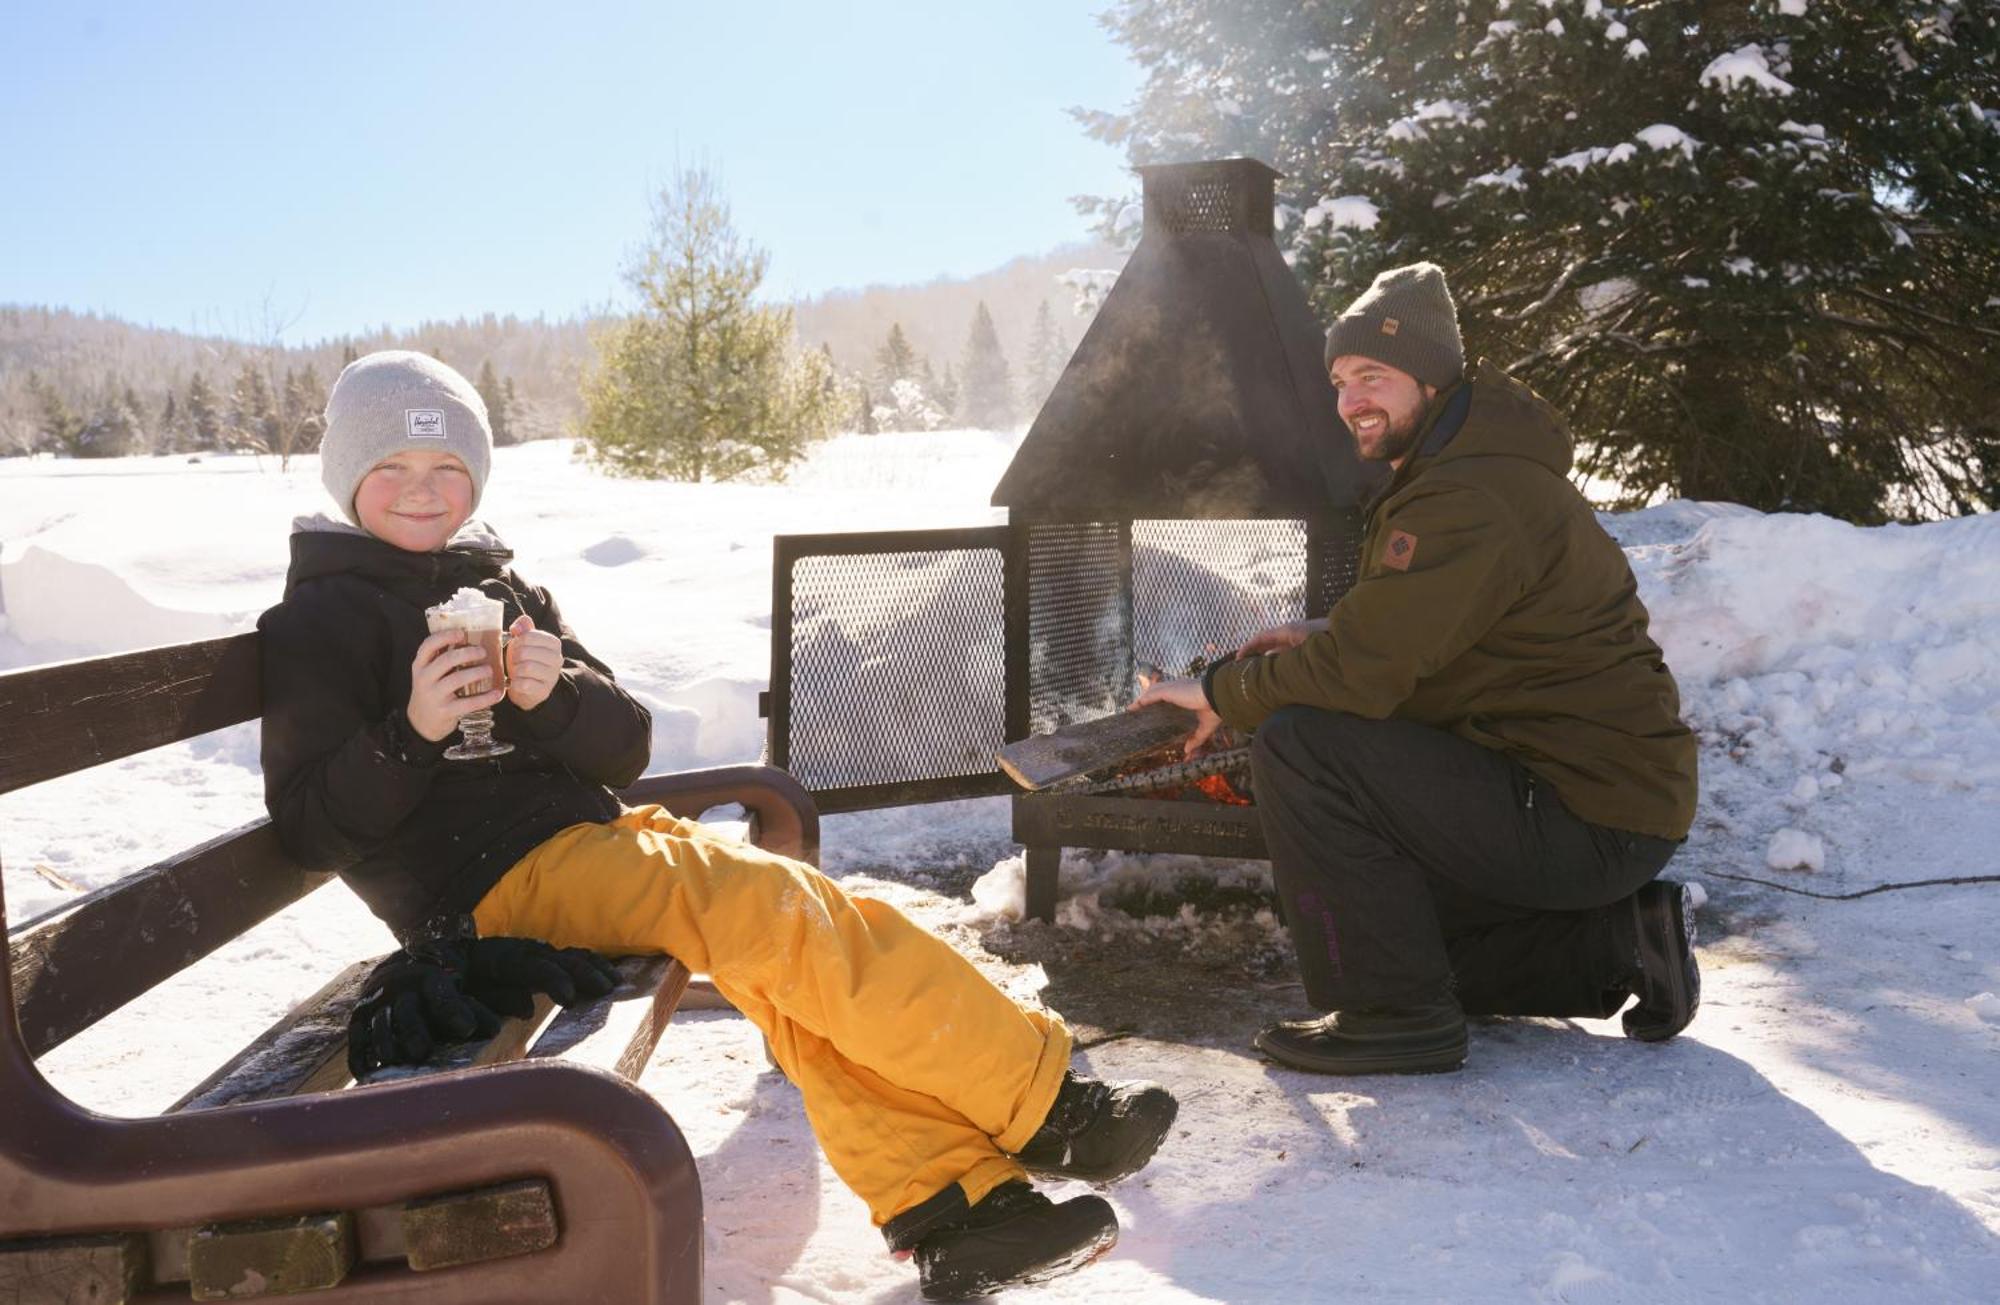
[481,619]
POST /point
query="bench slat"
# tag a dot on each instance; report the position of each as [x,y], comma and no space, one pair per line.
[619,1032]
[74,715]
[306,1050]
[75,965]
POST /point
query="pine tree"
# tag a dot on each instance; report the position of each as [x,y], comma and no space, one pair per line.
[167,433]
[56,426]
[519,425]
[114,431]
[1750,250]
[945,392]
[895,360]
[986,397]
[204,415]
[301,414]
[495,397]
[1048,354]
[703,382]
[253,416]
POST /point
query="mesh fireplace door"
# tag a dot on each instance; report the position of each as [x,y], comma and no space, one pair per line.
[898,663]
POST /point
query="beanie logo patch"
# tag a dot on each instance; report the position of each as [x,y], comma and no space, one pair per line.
[424,423]
[1390,326]
[1400,551]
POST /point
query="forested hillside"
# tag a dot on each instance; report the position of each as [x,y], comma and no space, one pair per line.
[80,383]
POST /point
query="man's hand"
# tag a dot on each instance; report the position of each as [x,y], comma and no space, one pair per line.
[534,664]
[1280,637]
[1185,692]
[444,664]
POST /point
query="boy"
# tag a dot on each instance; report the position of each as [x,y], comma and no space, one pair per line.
[932,1093]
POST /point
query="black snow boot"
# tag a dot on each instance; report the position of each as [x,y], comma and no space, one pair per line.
[1099,1132]
[1426,1039]
[1013,1237]
[1658,933]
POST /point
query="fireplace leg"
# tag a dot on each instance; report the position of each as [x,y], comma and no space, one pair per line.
[1043,863]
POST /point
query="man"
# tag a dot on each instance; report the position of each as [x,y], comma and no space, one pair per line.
[1471,773]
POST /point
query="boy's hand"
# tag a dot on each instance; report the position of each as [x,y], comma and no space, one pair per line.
[444,664]
[534,664]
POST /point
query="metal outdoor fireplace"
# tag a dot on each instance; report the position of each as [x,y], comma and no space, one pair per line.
[1187,483]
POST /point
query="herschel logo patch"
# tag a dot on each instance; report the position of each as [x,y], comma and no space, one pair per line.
[425,423]
[1400,550]
[1391,325]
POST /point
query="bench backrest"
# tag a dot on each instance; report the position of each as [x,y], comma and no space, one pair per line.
[74,965]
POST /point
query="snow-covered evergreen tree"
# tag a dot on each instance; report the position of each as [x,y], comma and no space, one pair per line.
[1750,248]
[986,397]
[907,405]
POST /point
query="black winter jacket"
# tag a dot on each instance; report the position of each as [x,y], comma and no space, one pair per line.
[350,785]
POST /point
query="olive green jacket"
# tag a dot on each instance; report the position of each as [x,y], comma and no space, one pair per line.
[1490,603]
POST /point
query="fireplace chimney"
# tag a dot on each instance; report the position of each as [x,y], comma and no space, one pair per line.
[1199,390]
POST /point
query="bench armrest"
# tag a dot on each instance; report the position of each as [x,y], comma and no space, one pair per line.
[787,821]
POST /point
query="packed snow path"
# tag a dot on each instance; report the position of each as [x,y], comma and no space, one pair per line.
[1828,1130]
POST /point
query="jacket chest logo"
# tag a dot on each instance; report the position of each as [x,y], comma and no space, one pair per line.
[1400,551]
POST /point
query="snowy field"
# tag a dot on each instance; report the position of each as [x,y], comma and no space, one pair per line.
[1828,1129]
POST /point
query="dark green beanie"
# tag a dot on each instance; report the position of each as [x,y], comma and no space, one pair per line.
[1407,320]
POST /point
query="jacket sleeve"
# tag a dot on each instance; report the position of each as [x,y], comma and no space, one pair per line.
[587,723]
[1464,564]
[342,767]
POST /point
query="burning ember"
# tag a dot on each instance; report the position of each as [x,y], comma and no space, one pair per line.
[1219,772]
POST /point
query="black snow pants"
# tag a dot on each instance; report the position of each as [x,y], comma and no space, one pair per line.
[1410,863]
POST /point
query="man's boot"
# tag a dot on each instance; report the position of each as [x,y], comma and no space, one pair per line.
[1012,1237]
[1656,930]
[1425,1039]
[1099,1132]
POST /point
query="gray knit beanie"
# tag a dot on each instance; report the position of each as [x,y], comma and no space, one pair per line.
[1405,319]
[393,400]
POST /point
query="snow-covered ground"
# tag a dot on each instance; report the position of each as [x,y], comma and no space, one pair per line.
[1828,1130]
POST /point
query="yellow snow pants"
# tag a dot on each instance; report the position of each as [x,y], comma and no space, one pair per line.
[916,1071]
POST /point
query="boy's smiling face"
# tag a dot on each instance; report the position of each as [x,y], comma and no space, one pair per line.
[415,499]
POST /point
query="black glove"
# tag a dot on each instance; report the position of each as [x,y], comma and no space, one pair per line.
[505,973]
[414,1000]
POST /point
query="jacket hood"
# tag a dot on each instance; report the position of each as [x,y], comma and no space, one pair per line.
[323,546]
[1505,419]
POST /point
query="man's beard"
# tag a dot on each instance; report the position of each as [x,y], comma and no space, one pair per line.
[1398,437]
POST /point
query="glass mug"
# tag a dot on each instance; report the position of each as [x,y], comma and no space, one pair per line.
[484,621]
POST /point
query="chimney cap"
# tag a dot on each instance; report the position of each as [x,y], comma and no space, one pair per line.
[1233,196]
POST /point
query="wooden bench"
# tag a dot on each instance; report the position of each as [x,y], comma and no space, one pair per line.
[509,1173]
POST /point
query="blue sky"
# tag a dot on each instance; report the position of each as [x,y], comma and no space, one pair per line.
[333,167]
